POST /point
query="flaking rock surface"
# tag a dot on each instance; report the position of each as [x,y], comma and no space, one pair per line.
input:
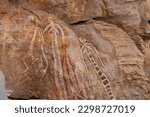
[74,49]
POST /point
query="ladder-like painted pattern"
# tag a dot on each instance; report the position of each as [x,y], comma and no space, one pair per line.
[86,49]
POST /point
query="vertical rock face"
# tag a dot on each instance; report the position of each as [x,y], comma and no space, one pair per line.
[3,93]
[74,49]
[70,11]
[45,55]
[122,67]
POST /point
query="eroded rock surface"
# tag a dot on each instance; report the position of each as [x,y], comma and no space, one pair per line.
[75,49]
[3,92]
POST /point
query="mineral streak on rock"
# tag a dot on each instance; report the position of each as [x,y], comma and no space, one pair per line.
[75,49]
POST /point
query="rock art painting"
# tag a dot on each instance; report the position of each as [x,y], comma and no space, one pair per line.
[75,49]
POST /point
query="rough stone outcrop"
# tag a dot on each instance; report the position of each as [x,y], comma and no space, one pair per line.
[3,92]
[75,49]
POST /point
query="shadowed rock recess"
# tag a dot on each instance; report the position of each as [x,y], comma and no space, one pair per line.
[75,49]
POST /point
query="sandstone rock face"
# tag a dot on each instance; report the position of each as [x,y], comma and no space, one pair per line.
[122,67]
[75,49]
[3,93]
[70,11]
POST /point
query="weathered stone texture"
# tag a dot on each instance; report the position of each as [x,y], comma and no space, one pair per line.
[75,49]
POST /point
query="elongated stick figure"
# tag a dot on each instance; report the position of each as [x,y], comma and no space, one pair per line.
[55,28]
